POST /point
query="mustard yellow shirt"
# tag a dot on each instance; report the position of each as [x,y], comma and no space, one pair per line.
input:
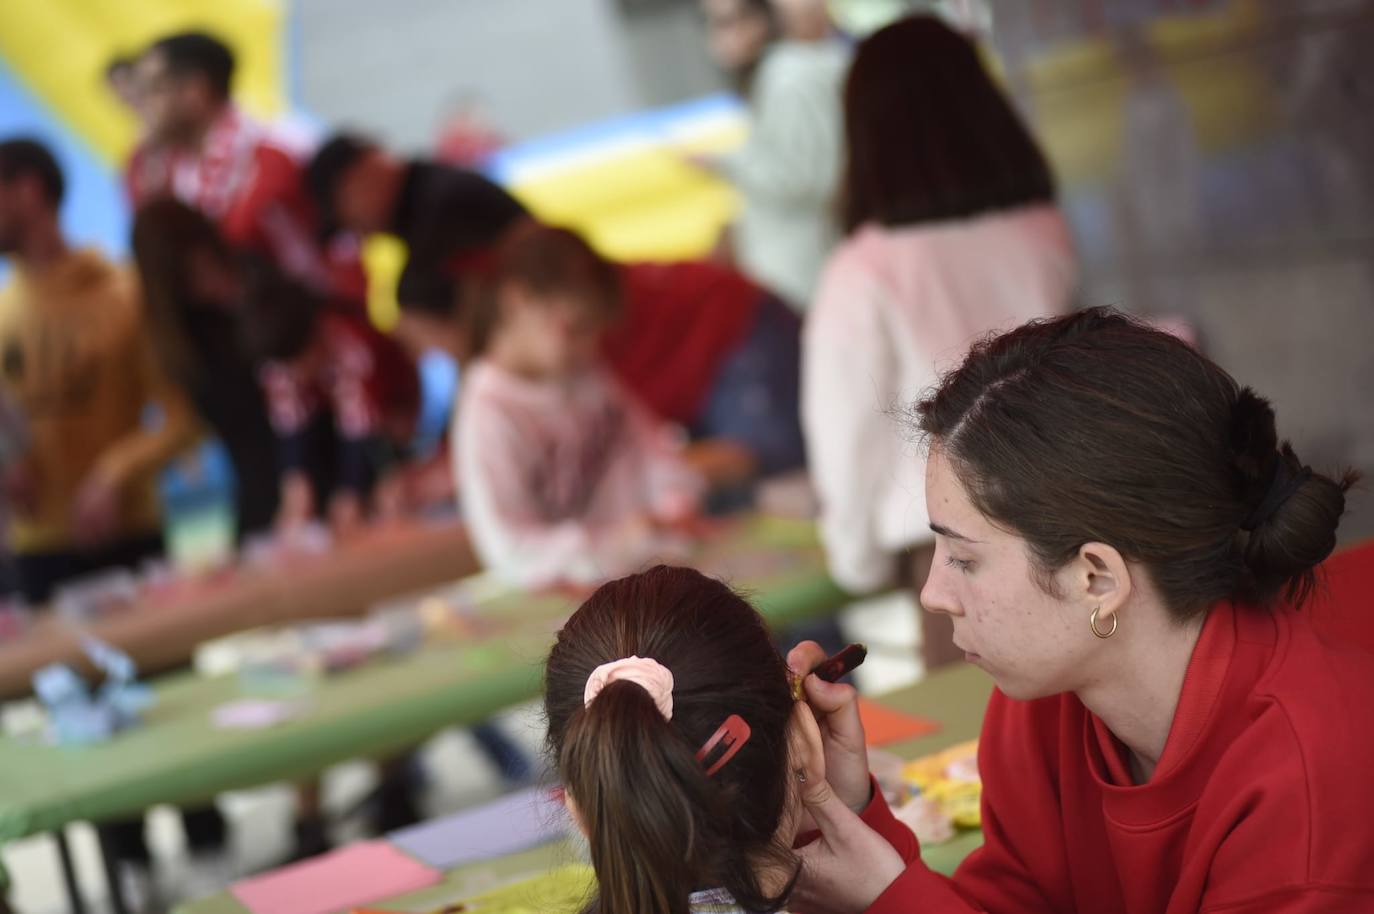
[77,362]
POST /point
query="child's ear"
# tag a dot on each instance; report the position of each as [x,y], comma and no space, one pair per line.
[806,752]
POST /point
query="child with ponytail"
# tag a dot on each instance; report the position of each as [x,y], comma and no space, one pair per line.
[681,750]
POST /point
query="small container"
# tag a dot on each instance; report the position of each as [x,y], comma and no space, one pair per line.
[198,507]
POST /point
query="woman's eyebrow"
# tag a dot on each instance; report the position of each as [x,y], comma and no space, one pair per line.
[951,534]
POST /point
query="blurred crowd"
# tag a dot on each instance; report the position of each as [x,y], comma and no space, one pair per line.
[605,407]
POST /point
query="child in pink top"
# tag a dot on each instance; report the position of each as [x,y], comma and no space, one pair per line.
[563,476]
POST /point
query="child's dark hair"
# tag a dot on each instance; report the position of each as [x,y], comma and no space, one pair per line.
[544,260]
[1096,428]
[659,827]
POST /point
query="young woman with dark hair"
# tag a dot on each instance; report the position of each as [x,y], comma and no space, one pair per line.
[193,294]
[1124,543]
[681,750]
[789,64]
[953,232]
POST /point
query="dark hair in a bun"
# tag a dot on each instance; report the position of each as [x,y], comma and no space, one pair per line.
[1095,427]
[1293,512]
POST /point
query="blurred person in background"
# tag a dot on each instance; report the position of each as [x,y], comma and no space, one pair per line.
[702,346]
[200,149]
[698,342]
[788,62]
[342,398]
[448,217]
[565,476]
[953,232]
[76,361]
[194,289]
[121,78]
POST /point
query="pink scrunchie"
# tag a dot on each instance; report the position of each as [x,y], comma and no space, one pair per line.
[650,675]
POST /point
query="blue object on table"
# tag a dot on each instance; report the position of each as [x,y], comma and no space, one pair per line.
[77,717]
[198,504]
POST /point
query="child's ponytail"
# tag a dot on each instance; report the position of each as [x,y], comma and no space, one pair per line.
[644,801]
[668,709]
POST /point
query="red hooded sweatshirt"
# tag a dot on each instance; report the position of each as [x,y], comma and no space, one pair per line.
[1263,801]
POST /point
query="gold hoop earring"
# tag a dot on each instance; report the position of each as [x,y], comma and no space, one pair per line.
[1092,621]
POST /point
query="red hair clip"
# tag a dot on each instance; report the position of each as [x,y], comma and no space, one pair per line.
[731,736]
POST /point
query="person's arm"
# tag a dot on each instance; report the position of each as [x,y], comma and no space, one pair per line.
[869,862]
[794,147]
[673,486]
[1308,898]
[145,450]
[291,407]
[273,214]
[371,395]
[138,454]
[849,388]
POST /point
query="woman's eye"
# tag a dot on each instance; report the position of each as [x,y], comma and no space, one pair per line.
[963,565]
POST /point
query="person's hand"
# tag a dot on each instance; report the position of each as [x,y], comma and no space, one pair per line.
[95,510]
[429,484]
[849,865]
[297,503]
[345,514]
[390,499]
[842,732]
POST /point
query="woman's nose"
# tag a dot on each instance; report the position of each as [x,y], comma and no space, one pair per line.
[936,596]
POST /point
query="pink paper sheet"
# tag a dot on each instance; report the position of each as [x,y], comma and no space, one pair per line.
[353,875]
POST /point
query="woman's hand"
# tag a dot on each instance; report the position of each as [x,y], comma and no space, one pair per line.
[850,865]
[842,732]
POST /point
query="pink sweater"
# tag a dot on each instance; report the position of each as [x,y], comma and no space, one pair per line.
[560,482]
[895,308]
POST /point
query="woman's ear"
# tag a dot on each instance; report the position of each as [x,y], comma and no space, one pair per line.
[1101,577]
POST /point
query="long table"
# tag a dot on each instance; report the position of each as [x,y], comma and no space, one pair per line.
[178,756]
[954,697]
[162,634]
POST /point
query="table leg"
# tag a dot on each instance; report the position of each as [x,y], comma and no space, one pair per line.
[64,855]
[110,860]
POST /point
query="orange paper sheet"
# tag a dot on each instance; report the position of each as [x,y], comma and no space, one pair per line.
[884,726]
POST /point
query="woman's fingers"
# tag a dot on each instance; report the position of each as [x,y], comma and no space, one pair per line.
[850,865]
[837,710]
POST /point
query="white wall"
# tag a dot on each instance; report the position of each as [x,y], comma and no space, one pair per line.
[537,65]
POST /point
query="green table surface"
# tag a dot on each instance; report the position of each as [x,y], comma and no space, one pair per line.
[954,697]
[178,756]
